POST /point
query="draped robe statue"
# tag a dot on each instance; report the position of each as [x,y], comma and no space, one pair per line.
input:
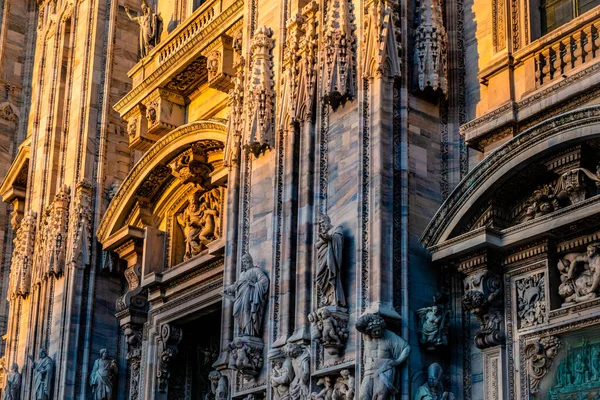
[13,383]
[384,351]
[43,370]
[250,297]
[102,379]
[150,26]
[329,248]
[433,389]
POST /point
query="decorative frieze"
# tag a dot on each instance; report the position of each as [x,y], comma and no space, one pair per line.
[260,102]
[431,46]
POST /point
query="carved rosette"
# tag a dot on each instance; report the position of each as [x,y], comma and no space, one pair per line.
[338,43]
[483,299]
[261,96]
[21,263]
[170,337]
[431,46]
[246,356]
[540,357]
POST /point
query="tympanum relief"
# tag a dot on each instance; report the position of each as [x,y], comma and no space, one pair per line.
[200,221]
[579,275]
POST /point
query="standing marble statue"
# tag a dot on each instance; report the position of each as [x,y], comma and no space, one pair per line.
[102,379]
[433,389]
[329,248]
[43,370]
[13,383]
[249,294]
[150,26]
[384,351]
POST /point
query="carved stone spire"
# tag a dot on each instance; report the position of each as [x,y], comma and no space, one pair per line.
[381,47]
[430,47]
[261,97]
[339,57]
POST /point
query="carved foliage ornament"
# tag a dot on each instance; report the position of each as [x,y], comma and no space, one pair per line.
[531,300]
[431,46]
[260,112]
[21,263]
[540,356]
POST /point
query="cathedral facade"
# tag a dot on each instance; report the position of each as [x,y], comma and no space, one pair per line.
[300,199]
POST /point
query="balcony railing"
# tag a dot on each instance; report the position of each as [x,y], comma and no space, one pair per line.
[565,49]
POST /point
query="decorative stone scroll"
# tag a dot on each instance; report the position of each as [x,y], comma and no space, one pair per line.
[384,351]
[580,275]
[540,356]
[260,112]
[170,337]
[431,45]
[338,42]
[21,263]
[483,299]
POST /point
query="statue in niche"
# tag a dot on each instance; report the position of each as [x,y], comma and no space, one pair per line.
[12,390]
[580,275]
[282,375]
[384,351]
[249,294]
[344,386]
[329,249]
[43,370]
[433,389]
[433,332]
[300,357]
[150,28]
[102,379]
[200,221]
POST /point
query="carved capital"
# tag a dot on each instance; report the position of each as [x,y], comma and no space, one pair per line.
[246,356]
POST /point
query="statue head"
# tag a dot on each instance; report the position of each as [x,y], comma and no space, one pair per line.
[324,223]
[372,325]
[345,373]
[15,367]
[247,261]
[592,249]
[434,375]
[43,353]
[214,376]
[145,7]
[104,354]
[293,350]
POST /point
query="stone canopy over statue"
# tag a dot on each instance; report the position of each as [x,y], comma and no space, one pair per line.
[384,351]
[150,27]
[329,247]
[249,294]
[102,378]
[43,371]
